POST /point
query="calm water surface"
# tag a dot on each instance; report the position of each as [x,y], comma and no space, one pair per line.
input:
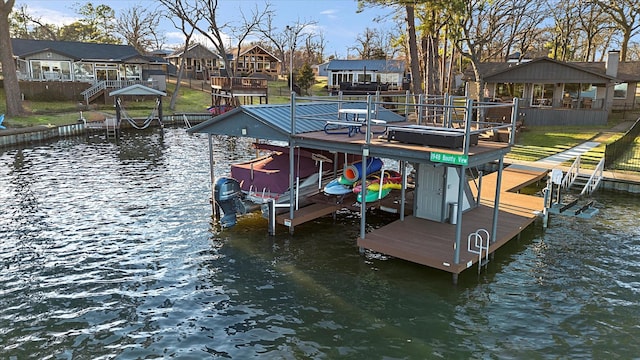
[108,251]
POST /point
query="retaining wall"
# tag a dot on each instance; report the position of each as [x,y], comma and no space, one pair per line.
[29,135]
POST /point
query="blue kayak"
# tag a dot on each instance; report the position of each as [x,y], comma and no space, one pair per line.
[336,188]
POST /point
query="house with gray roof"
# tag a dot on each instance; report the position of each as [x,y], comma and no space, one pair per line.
[200,62]
[552,92]
[345,74]
[79,65]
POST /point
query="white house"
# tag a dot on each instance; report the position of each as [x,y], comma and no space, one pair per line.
[391,73]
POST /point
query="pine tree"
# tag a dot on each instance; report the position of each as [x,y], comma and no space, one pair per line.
[305,78]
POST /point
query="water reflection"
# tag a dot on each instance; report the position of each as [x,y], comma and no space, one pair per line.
[109,251]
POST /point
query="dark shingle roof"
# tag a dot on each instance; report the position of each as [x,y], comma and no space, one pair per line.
[74,50]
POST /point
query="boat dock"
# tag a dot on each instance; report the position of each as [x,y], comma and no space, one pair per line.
[453,217]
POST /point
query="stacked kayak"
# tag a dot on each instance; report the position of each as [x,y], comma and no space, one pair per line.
[378,184]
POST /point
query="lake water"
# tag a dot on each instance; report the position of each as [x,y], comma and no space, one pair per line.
[108,251]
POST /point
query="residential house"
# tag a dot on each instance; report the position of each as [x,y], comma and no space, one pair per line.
[552,92]
[64,69]
[320,70]
[343,73]
[200,62]
[254,60]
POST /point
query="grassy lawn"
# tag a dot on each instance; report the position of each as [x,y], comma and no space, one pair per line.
[539,142]
[61,113]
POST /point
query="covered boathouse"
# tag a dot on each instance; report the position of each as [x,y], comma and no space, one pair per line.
[453,216]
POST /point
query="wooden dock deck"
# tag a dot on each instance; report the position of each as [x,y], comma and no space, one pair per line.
[432,243]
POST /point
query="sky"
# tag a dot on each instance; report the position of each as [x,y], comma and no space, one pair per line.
[337,20]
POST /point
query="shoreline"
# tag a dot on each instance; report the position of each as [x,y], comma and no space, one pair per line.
[612,180]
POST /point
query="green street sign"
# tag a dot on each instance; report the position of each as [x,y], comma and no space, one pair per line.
[454,159]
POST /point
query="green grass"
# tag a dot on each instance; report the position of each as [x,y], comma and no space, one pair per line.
[61,112]
[539,142]
[189,101]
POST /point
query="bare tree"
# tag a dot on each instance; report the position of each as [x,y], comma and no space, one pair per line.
[11,85]
[139,26]
[481,23]
[593,26]
[634,52]
[294,33]
[626,14]
[202,16]
[523,30]
[277,37]
[247,26]
[408,8]
[371,44]
[565,17]
[281,39]
[187,31]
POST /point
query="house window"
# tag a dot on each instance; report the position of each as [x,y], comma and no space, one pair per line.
[51,70]
[542,95]
[340,78]
[107,72]
[620,91]
[131,72]
[508,91]
[83,72]
[364,77]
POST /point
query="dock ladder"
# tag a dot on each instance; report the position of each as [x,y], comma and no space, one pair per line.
[186,121]
[476,243]
[112,127]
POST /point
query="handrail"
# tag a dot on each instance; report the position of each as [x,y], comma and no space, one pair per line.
[479,244]
[594,179]
[102,85]
[572,174]
[94,89]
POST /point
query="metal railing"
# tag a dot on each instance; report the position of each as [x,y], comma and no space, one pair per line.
[238,83]
[594,179]
[93,90]
[571,175]
[102,85]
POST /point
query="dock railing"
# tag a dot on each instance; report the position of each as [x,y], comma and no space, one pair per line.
[453,112]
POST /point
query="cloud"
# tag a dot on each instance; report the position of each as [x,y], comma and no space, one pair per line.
[330,13]
[50,16]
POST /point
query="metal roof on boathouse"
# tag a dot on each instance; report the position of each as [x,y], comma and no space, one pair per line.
[273,122]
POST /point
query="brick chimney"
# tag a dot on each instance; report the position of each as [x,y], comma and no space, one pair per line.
[611,65]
